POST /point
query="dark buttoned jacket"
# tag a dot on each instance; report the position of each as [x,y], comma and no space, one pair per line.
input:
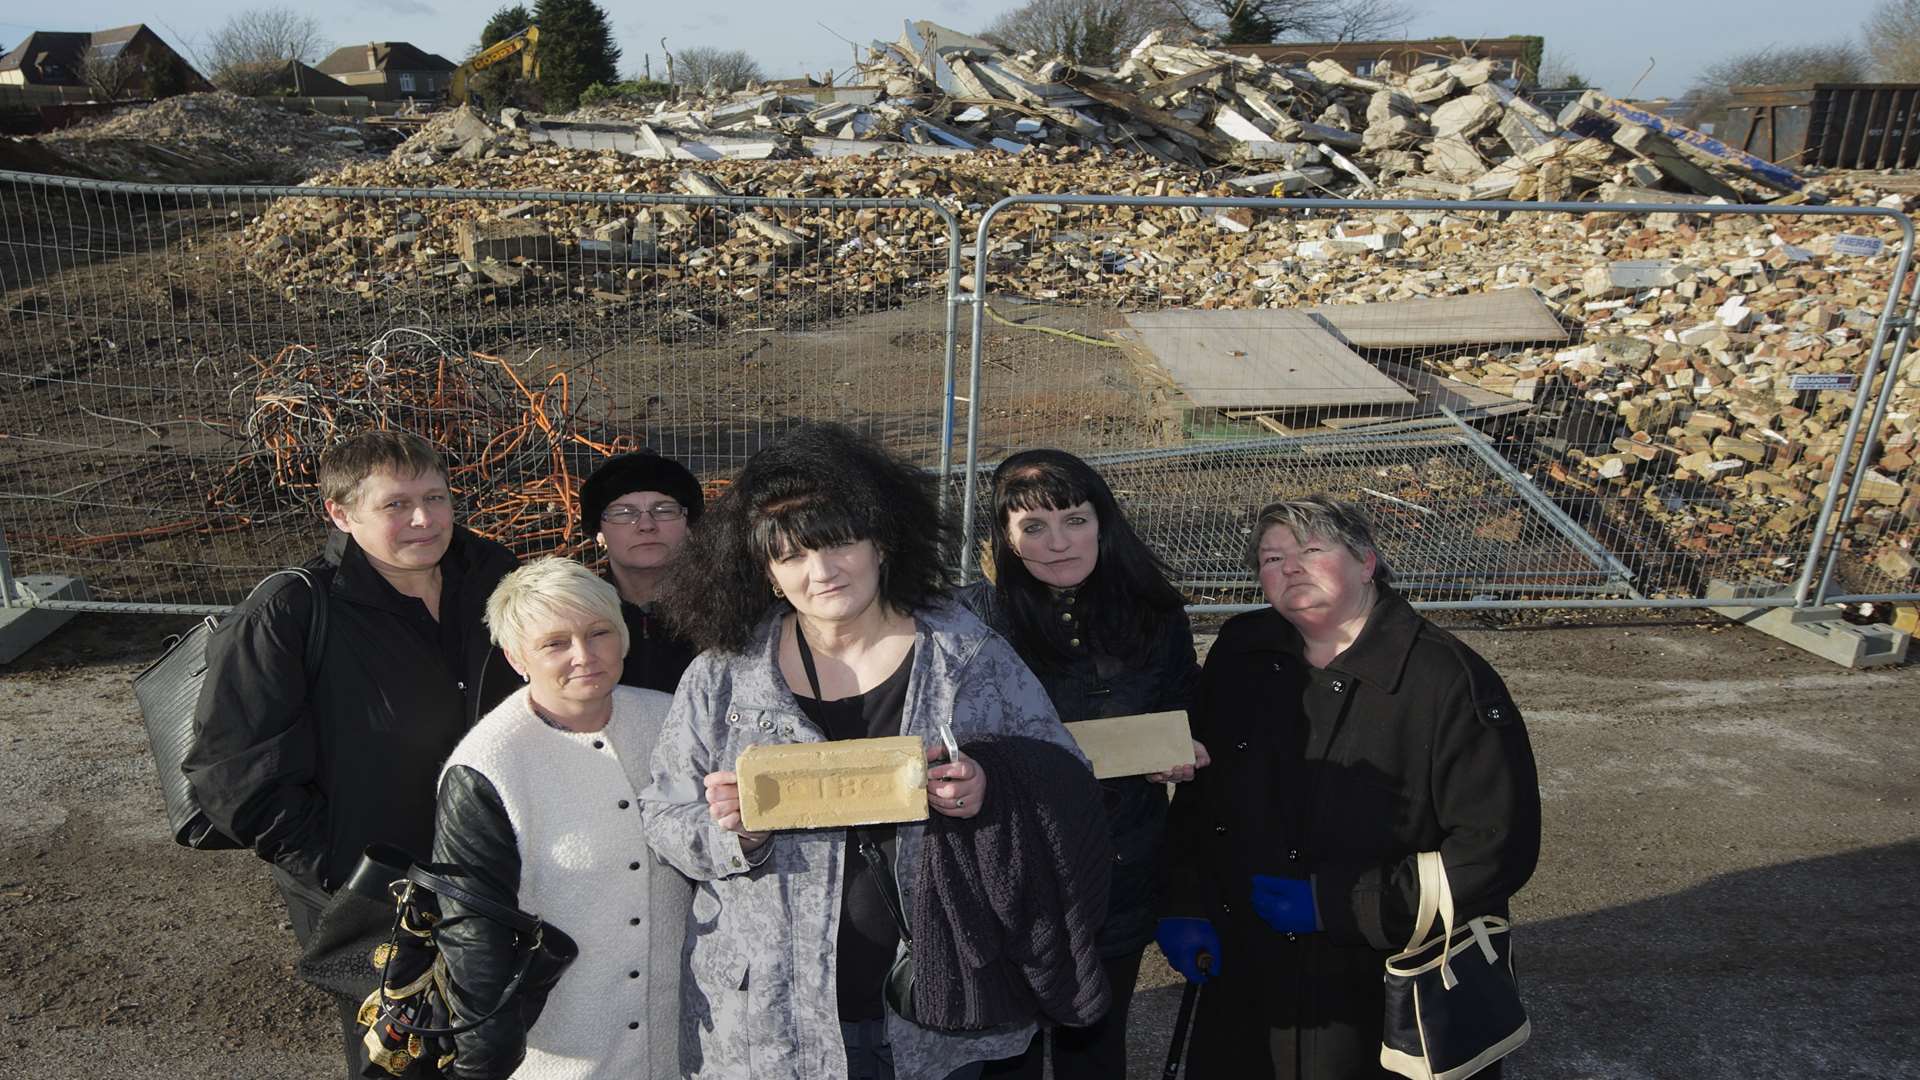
[1407,741]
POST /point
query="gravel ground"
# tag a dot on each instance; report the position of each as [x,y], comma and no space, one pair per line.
[1730,855]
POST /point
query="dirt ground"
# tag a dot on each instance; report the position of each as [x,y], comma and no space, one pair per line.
[1729,867]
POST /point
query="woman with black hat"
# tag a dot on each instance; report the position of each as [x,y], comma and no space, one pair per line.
[639,508]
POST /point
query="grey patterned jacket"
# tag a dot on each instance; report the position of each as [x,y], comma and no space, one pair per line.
[760,998]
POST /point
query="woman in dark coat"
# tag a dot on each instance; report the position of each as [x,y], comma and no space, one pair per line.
[1088,606]
[1348,735]
[639,508]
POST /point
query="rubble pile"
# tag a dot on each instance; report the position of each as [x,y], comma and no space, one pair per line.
[1445,129]
[211,137]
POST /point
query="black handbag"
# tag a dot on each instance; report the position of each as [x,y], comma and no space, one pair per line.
[168,692]
[411,1017]
[1453,1005]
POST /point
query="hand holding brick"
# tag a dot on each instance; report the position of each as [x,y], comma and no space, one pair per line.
[723,804]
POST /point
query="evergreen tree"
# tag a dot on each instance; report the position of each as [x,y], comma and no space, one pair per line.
[505,23]
[576,50]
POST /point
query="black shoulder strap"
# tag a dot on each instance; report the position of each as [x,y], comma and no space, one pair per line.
[441,885]
[316,622]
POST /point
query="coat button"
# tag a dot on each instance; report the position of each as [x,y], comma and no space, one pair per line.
[633,866]
[1075,642]
[1066,616]
[766,725]
[633,974]
[1241,745]
[1293,937]
[599,745]
[1276,665]
[624,804]
[1220,830]
[1293,855]
[1339,687]
[633,1025]
[633,922]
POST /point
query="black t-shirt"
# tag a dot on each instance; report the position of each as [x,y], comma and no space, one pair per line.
[868,936]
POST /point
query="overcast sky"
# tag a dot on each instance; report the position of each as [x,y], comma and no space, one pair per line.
[1612,42]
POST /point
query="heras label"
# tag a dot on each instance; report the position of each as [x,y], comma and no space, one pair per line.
[1865,246]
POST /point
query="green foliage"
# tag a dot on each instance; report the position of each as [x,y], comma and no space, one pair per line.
[576,50]
[1531,59]
[505,23]
[1247,25]
[628,92]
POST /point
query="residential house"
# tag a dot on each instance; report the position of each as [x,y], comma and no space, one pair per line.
[390,70]
[50,58]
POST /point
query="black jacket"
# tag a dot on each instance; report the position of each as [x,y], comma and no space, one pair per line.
[1407,742]
[656,657]
[309,779]
[1013,897]
[1094,686]
[475,832]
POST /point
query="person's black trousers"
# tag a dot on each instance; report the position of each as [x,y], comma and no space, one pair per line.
[1095,1052]
[304,906]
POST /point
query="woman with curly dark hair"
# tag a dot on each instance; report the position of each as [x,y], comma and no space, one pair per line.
[818,587]
[1088,606]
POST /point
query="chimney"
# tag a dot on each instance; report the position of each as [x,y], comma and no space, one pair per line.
[373,63]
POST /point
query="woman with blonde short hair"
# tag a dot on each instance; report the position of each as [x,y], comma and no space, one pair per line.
[538,803]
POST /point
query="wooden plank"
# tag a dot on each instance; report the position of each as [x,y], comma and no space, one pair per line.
[1269,358]
[1504,315]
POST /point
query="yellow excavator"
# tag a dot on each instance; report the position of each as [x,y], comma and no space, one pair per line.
[525,44]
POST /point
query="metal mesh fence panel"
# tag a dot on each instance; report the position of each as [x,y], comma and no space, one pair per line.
[1547,404]
[1876,555]
[175,359]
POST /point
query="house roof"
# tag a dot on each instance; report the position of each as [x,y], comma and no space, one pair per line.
[301,80]
[385,56]
[53,57]
[48,56]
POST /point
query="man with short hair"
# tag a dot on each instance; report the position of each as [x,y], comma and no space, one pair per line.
[310,767]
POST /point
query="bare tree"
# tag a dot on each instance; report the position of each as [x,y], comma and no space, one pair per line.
[705,67]
[1893,40]
[259,40]
[1083,31]
[1256,22]
[1840,62]
[111,77]
[1559,72]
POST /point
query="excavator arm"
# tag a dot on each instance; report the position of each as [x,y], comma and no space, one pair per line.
[525,44]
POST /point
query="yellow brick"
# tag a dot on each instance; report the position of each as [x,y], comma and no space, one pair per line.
[833,784]
[1133,745]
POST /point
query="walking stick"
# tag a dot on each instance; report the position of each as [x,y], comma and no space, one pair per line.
[1177,1053]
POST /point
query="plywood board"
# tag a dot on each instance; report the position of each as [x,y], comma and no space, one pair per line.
[1134,745]
[1260,359]
[1504,315]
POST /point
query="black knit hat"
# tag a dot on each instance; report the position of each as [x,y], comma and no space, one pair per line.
[628,473]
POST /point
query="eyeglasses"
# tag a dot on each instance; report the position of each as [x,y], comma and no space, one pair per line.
[628,515]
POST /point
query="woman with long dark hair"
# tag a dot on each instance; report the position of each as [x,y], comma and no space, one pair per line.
[1088,606]
[817,586]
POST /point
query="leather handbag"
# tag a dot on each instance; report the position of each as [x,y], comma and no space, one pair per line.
[1453,1004]
[168,692]
[413,1014]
